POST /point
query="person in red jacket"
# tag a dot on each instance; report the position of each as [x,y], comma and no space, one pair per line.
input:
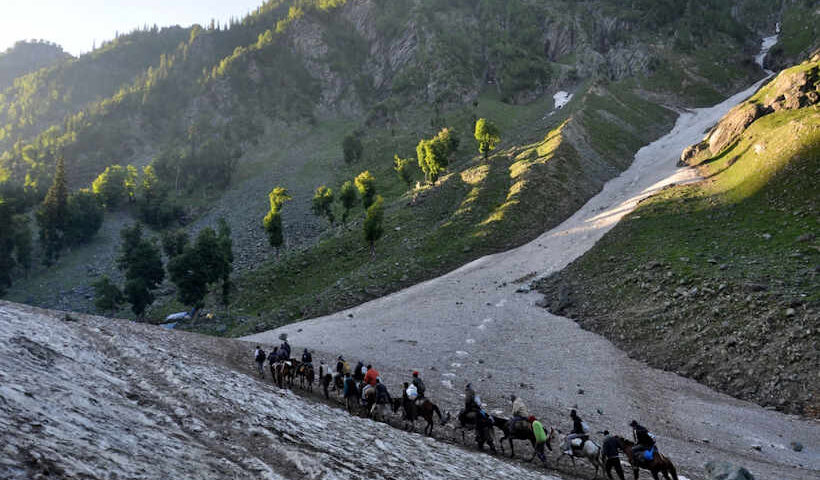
[371,376]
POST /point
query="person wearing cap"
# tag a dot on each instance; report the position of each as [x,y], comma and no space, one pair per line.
[609,452]
[540,439]
[643,439]
[419,385]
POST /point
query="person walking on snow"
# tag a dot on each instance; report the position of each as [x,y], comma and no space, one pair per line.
[259,356]
[609,453]
[540,439]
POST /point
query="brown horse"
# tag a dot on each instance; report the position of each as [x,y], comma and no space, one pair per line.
[660,463]
[282,372]
[424,409]
[521,430]
[306,376]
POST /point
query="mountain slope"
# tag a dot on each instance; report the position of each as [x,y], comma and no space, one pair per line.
[96,398]
[718,281]
[25,57]
[284,86]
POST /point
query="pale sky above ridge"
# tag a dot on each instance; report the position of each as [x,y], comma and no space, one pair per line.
[77,24]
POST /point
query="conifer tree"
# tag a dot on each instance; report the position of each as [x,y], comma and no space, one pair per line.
[323,203]
[487,135]
[273,220]
[347,197]
[141,261]
[53,215]
[366,185]
[373,228]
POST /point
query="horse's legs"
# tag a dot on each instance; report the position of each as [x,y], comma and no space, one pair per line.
[635,472]
[512,448]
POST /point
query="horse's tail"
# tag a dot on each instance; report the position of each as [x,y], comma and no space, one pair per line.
[671,468]
[438,412]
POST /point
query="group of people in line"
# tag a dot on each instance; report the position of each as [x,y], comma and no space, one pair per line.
[579,434]
[355,384]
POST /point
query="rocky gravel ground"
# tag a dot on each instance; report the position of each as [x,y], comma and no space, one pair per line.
[95,398]
[480,324]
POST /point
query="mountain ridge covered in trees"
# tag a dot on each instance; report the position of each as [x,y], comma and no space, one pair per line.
[177,116]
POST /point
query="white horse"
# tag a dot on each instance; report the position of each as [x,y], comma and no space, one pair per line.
[590,451]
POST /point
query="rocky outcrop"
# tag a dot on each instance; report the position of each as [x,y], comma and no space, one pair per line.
[797,87]
[727,471]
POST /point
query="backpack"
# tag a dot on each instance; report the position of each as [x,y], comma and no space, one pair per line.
[584,427]
[412,392]
[345,367]
[419,385]
[260,356]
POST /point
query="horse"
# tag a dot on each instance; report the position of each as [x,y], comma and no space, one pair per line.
[483,426]
[590,450]
[306,376]
[424,409]
[660,463]
[282,372]
[521,430]
[292,371]
[325,379]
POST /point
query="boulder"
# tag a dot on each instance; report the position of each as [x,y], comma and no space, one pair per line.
[726,471]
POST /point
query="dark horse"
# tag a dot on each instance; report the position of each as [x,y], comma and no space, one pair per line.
[306,376]
[424,409]
[521,430]
[660,463]
[483,426]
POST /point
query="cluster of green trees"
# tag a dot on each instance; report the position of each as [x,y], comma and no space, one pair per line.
[66,219]
[434,154]
[195,268]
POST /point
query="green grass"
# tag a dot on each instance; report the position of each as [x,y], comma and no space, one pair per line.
[533,181]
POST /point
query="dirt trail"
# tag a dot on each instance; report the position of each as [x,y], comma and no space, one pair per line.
[472,326]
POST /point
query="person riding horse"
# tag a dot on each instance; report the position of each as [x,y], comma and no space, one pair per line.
[471,400]
[307,357]
[645,442]
[519,411]
[579,431]
[359,371]
[419,386]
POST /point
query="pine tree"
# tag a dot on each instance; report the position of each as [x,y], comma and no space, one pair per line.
[347,197]
[487,135]
[366,185]
[402,168]
[323,203]
[273,220]
[141,261]
[373,228]
[53,215]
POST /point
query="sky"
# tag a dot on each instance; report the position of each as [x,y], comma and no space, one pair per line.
[77,24]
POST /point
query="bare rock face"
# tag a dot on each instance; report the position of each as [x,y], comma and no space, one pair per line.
[794,88]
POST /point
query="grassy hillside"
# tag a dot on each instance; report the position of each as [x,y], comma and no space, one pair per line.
[719,280]
[268,99]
